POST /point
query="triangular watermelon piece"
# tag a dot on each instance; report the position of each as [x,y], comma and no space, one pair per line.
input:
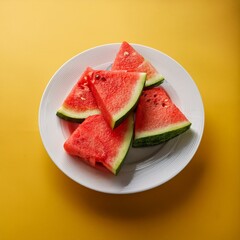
[129,59]
[80,103]
[157,119]
[95,142]
[116,93]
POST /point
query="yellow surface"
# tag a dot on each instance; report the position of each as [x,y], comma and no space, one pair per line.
[37,201]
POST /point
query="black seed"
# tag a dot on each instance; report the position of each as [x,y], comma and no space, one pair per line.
[97,76]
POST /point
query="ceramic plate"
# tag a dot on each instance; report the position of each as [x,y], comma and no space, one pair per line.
[144,168]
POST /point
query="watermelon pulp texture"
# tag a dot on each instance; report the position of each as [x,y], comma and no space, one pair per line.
[95,142]
[129,59]
[157,119]
[116,93]
[80,103]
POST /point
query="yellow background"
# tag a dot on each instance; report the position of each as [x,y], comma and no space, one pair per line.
[37,201]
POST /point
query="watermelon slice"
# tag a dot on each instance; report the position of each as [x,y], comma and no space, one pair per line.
[80,102]
[95,142]
[129,59]
[116,93]
[157,119]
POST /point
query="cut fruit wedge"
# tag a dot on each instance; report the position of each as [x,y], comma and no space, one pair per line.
[80,103]
[95,142]
[116,93]
[129,59]
[157,119]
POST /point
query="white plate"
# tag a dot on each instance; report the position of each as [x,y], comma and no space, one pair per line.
[144,168]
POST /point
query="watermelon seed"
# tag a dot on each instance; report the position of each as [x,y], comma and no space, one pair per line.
[83,98]
[164,105]
[97,76]
[126,53]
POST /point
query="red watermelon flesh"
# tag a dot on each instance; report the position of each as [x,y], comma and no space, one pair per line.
[116,93]
[150,70]
[95,142]
[158,119]
[129,59]
[80,103]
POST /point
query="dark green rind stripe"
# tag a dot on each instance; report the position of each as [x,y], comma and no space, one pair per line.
[120,120]
[128,140]
[120,165]
[155,84]
[76,120]
[161,138]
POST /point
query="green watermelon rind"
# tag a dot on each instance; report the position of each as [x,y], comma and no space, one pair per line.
[154,81]
[118,165]
[74,116]
[161,135]
[124,148]
[132,103]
